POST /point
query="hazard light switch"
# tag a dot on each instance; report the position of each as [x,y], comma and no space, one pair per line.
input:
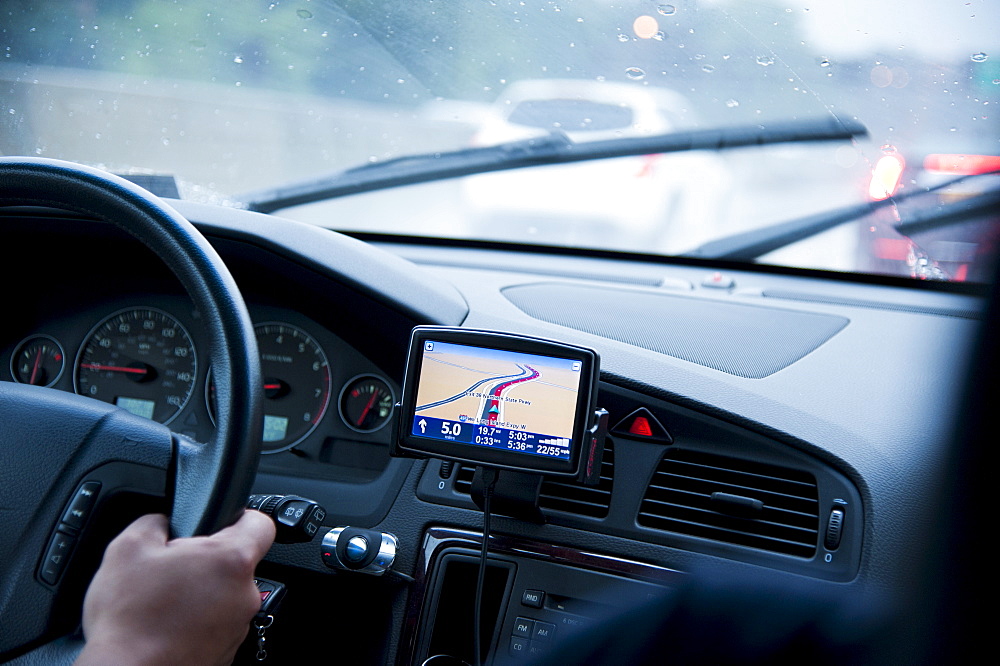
[641,424]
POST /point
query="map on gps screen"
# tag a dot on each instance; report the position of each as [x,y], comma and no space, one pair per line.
[496,398]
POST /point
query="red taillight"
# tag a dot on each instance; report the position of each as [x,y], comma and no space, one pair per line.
[648,166]
[962,164]
[885,177]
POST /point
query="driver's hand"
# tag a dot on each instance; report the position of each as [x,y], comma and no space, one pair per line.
[180,601]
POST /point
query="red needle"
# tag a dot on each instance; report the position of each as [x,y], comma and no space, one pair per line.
[272,387]
[364,413]
[34,369]
[114,368]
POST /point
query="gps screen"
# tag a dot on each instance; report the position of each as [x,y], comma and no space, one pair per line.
[497,399]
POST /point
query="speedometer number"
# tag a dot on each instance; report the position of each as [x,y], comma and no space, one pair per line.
[140,359]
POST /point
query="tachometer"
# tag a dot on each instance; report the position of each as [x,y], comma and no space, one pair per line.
[140,359]
[296,377]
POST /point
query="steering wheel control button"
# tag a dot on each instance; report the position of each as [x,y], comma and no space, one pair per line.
[56,556]
[297,519]
[355,549]
[80,506]
[834,529]
[533,598]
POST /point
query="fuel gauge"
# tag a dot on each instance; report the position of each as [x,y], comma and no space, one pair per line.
[38,360]
[366,403]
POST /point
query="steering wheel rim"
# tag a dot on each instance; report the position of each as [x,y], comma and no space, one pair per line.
[208,483]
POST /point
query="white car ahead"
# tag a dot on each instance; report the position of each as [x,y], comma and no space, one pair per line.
[666,202]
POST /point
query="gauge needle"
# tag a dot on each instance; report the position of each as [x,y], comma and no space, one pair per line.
[114,368]
[364,412]
[34,368]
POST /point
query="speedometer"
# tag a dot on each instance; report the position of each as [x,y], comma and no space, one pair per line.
[140,359]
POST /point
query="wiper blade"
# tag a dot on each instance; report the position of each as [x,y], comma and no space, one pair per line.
[973,207]
[751,245]
[554,148]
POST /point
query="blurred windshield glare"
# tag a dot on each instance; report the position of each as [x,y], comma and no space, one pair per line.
[236,97]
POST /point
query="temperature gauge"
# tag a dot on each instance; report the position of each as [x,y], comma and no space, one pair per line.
[39,360]
[366,403]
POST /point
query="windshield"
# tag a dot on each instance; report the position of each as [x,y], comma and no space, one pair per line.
[236,98]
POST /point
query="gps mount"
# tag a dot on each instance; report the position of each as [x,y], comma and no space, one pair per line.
[515,494]
[517,408]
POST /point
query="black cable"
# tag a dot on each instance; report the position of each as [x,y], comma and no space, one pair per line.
[489,481]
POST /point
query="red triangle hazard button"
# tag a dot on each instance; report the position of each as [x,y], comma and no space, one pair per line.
[641,424]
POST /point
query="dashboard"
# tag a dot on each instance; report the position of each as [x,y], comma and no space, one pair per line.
[761,420]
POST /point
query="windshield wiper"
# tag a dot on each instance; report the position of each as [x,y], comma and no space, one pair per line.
[751,245]
[554,148]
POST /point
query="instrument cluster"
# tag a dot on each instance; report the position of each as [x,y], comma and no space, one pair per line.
[146,360]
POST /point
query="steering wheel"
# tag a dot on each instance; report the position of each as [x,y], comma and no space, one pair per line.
[62,455]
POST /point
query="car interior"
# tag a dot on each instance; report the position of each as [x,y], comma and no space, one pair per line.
[340,265]
[789,423]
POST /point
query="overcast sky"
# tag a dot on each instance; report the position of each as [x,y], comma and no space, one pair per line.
[936,28]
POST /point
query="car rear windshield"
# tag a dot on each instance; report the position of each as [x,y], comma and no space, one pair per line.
[571,115]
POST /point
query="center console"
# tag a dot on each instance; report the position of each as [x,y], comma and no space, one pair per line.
[535,595]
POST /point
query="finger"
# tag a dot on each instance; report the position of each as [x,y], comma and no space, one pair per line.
[151,528]
[253,530]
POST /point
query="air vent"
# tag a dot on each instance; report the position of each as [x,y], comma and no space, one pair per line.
[565,496]
[734,501]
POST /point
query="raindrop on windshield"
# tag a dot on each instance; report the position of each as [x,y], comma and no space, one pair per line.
[708,68]
[622,37]
[667,10]
[979,57]
[198,45]
[304,14]
[732,103]
[238,60]
[825,62]
[635,73]
[659,36]
[888,148]
[765,60]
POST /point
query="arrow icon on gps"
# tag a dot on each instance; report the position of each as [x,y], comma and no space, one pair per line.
[423,426]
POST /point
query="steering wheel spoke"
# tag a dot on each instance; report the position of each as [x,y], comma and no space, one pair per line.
[62,455]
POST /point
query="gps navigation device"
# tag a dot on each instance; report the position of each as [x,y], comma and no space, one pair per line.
[499,400]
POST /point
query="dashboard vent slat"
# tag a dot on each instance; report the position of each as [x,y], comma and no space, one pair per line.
[680,499]
[564,496]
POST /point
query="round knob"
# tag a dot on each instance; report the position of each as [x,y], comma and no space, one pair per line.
[357,548]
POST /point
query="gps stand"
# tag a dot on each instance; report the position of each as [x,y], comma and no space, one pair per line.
[515,407]
[515,494]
